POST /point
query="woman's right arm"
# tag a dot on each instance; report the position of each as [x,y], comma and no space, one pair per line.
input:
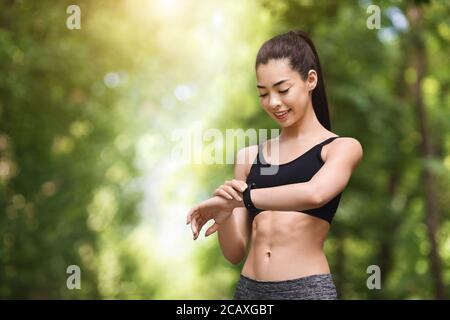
[235,232]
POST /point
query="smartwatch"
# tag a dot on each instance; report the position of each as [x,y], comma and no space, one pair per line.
[248,200]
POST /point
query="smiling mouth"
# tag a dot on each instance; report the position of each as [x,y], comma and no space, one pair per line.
[281,114]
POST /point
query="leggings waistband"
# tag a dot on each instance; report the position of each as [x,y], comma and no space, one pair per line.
[301,279]
[317,286]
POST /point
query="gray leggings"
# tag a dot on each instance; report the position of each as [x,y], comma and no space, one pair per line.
[314,287]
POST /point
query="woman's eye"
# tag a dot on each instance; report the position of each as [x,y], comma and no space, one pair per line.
[283,91]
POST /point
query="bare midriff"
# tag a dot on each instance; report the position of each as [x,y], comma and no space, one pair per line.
[286,245]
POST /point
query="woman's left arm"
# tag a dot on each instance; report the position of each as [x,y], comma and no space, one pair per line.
[342,158]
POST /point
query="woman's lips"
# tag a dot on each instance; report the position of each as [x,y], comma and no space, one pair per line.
[281,115]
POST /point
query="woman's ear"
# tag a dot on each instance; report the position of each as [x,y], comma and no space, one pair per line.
[311,80]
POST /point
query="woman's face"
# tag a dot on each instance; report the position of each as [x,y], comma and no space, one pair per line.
[284,95]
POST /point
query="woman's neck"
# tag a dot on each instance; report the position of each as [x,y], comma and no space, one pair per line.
[307,127]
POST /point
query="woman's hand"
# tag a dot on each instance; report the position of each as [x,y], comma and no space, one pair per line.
[231,190]
[216,208]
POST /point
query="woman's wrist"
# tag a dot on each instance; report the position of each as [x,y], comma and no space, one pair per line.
[231,204]
[237,203]
[247,199]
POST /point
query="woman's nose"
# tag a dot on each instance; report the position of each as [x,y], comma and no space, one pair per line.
[274,102]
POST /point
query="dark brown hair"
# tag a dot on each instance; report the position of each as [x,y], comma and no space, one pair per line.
[299,49]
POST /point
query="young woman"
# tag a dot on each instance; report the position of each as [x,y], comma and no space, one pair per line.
[279,220]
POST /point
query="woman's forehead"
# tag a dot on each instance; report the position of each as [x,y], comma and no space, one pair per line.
[274,71]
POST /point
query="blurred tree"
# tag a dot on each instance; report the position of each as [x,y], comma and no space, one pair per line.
[63,178]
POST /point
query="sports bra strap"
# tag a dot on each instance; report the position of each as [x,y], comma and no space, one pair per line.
[328,140]
[320,145]
[260,157]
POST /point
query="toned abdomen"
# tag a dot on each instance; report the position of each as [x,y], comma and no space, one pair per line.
[286,245]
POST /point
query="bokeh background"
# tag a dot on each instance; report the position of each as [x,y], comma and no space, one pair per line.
[88,175]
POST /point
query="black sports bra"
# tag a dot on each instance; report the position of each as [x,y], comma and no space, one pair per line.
[301,169]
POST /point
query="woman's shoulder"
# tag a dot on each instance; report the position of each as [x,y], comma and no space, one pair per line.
[345,145]
[244,160]
[347,141]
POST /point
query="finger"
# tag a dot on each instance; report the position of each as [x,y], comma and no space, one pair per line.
[222,193]
[194,226]
[198,222]
[212,229]
[238,185]
[233,192]
[203,222]
[188,217]
[200,226]
[192,213]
